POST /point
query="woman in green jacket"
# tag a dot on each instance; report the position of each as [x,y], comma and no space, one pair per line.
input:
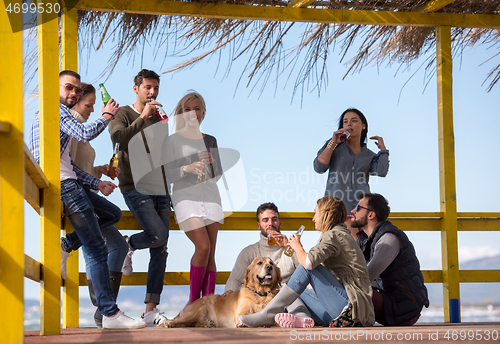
[336,270]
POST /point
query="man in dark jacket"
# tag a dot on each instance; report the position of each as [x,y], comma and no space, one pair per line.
[399,293]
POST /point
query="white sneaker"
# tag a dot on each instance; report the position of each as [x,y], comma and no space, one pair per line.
[127,263]
[120,320]
[64,258]
[154,318]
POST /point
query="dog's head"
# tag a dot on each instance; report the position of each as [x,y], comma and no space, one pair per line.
[262,275]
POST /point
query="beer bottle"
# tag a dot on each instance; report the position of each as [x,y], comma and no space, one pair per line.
[113,163]
[105,95]
[289,251]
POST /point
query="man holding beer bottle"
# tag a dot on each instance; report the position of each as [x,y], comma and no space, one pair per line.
[80,204]
[272,244]
[150,204]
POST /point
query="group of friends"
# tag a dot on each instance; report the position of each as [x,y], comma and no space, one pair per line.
[362,270]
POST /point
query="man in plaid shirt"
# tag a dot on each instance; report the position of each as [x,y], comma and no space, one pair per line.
[86,211]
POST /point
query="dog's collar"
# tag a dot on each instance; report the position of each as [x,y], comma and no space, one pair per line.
[256,292]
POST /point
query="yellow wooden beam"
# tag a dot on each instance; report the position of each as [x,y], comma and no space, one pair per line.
[433,276]
[479,225]
[71,315]
[69,38]
[11,177]
[407,221]
[171,278]
[448,197]
[479,276]
[291,14]
[34,180]
[479,215]
[434,5]
[300,3]
[182,278]
[32,269]
[50,220]
[69,57]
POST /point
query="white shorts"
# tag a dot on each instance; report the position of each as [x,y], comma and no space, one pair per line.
[204,213]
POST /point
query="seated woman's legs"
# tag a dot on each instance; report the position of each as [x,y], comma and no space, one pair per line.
[325,287]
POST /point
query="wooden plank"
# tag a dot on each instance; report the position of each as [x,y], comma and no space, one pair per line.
[31,269]
[34,170]
[34,180]
[437,333]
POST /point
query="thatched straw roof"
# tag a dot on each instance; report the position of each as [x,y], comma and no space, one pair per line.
[264,43]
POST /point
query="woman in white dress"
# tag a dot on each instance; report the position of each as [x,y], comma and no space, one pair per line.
[193,165]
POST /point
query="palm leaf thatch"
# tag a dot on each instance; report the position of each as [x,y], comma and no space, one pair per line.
[266,44]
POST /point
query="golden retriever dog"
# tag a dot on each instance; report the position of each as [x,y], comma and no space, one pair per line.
[260,284]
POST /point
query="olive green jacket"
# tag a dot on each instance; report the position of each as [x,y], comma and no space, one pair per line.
[338,252]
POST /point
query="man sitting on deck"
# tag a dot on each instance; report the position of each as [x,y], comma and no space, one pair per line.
[80,204]
[399,293]
[269,223]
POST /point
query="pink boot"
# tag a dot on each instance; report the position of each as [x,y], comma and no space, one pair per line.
[209,283]
[196,276]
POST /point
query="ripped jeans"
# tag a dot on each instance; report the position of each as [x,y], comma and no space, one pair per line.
[153,214]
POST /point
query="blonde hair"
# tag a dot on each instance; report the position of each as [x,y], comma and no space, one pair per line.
[332,211]
[179,120]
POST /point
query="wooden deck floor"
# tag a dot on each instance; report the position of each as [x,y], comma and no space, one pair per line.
[425,333]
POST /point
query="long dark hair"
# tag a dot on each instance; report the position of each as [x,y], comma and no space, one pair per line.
[364,132]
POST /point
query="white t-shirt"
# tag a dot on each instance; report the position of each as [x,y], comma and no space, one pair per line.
[66,166]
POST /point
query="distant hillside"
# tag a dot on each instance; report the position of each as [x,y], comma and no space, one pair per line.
[490,263]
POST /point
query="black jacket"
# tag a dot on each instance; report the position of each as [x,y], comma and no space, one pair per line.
[402,283]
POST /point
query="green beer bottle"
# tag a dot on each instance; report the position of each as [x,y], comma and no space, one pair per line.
[105,95]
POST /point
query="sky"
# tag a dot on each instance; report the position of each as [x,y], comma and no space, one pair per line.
[278,138]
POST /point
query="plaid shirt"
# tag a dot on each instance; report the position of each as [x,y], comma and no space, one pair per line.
[70,128]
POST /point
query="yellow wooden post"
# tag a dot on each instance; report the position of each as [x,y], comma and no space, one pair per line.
[11,179]
[448,197]
[69,57]
[50,219]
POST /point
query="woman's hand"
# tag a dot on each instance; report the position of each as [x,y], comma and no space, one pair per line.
[206,158]
[294,242]
[336,135]
[380,142]
[104,169]
[196,167]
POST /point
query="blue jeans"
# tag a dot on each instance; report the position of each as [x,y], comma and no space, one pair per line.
[106,213]
[153,215]
[328,297]
[79,209]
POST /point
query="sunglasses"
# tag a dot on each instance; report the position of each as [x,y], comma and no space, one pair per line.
[358,206]
[70,88]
